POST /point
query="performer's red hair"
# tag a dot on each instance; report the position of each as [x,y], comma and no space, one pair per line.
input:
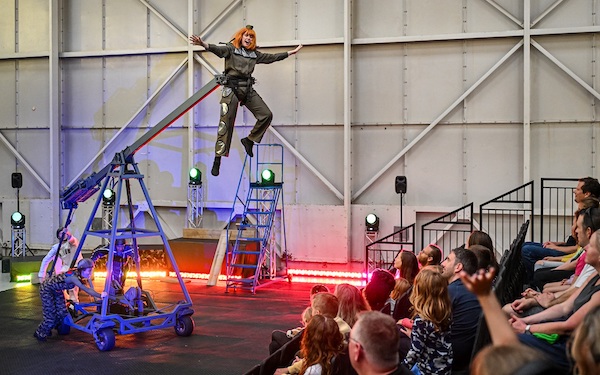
[237,37]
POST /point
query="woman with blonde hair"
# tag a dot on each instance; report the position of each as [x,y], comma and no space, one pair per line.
[351,303]
[431,351]
[585,344]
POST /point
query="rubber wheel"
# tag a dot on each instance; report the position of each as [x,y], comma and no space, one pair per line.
[184,326]
[105,339]
[63,329]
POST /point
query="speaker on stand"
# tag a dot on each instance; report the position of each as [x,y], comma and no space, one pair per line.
[401,189]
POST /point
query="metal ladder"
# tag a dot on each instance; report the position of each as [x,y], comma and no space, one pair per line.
[252,258]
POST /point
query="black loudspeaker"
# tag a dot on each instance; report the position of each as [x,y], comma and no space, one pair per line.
[5,265]
[400,184]
[17,180]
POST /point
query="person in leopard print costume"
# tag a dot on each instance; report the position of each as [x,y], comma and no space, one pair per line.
[54,306]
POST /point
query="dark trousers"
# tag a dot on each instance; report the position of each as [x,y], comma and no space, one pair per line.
[230,100]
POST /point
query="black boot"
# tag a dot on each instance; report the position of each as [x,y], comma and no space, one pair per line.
[248,144]
[216,166]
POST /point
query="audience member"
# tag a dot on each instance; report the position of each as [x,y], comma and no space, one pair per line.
[321,342]
[399,306]
[407,265]
[586,187]
[305,318]
[465,307]
[325,304]
[585,346]
[431,351]
[478,237]
[430,255]
[507,356]
[533,251]
[379,288]
[485,257]
[588,220]
[280,338]
[372,345]
[351,302]
[547,330]
[318,288]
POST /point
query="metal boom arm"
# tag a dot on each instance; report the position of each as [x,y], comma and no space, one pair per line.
[84,188]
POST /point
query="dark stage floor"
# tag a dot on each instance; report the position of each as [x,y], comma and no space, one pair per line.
[231,336]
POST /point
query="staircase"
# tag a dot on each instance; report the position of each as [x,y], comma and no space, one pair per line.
[251,259]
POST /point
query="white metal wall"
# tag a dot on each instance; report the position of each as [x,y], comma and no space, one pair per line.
[467,98]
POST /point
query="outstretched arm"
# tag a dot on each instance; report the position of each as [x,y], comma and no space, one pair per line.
[480,284]
[86,289]
[197,41]
[295,50]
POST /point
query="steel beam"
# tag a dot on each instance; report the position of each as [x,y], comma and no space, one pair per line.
[438,119]
[122,129]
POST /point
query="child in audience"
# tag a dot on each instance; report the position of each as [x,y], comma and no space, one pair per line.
[280,338]
[431,351]
[399,305]
[378,290]
[321,342]
[306,315]
[351,303]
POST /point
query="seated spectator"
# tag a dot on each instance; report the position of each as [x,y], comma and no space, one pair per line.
[306,315]
[479,237]
[431,351]
[378,290]
[485,257]
[506,356]
[534,251]
[465,307]
[548,331]
[588,220]
[547,275]
[407,265]
[430,255]
[555,261]
[372,345]
[280,338]
[321,342]
[399,306]
[318,288]
[351,303]
[325,304]
[585,348]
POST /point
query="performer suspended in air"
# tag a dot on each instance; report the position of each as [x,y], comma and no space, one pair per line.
[240,56]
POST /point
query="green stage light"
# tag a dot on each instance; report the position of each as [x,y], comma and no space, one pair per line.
[195,177]
[372,223]
[17,220]
[109,197]
[267,177]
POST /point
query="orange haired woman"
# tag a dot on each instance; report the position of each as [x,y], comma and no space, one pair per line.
[240,56]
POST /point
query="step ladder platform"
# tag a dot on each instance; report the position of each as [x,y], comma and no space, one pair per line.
[250,252]
[270,186]
[247,280]
[253,226]
[250,239]
[235,265]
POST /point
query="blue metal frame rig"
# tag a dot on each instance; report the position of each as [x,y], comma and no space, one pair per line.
[136,311]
